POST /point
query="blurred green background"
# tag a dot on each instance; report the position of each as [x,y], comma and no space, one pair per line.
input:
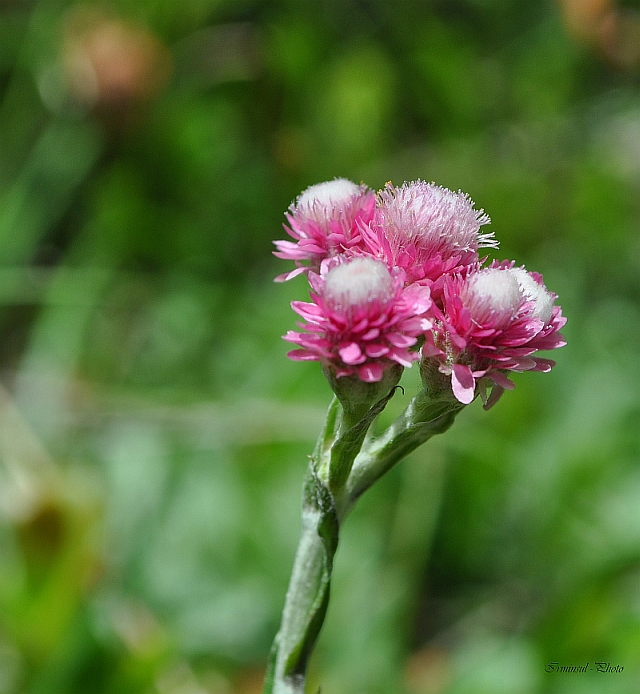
[153,435]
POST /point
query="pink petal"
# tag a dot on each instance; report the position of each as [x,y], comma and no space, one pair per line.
[544,365]
[458,341]
[292,336]
[351,354]
[552,341]
[525,364]
[496,394]
[420,298]
[370,373]
[462,383]
[285,245]
[302,355]
[305,309]
[501,380]
[416,325]
[430,350]
[403,356]
[290,275]
[316,282]
[361,325]
[376,351]
[398,340]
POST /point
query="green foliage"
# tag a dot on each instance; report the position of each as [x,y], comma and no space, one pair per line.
[153,435]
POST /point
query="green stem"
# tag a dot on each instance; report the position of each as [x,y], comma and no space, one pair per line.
[339,472]
[308,593]
[416,425]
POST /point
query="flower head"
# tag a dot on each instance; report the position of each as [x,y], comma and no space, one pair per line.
[427,230]
[493,321]
[325,221]
[361,320]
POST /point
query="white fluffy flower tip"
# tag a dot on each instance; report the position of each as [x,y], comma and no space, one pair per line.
[431,215]
[494,297]
[358,282]
[320,200]
[533,291]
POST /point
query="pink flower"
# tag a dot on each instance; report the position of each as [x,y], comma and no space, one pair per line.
[428,231]
[361,320]
[493,321]
[325,220]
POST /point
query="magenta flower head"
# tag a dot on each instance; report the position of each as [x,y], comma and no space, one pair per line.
[361,320]
[325,221]
[492,322]
[428,231]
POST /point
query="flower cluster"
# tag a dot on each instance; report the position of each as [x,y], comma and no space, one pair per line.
[397,276]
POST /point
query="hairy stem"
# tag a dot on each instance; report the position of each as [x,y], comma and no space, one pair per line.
[416,425]
[308,593]
[340,471]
